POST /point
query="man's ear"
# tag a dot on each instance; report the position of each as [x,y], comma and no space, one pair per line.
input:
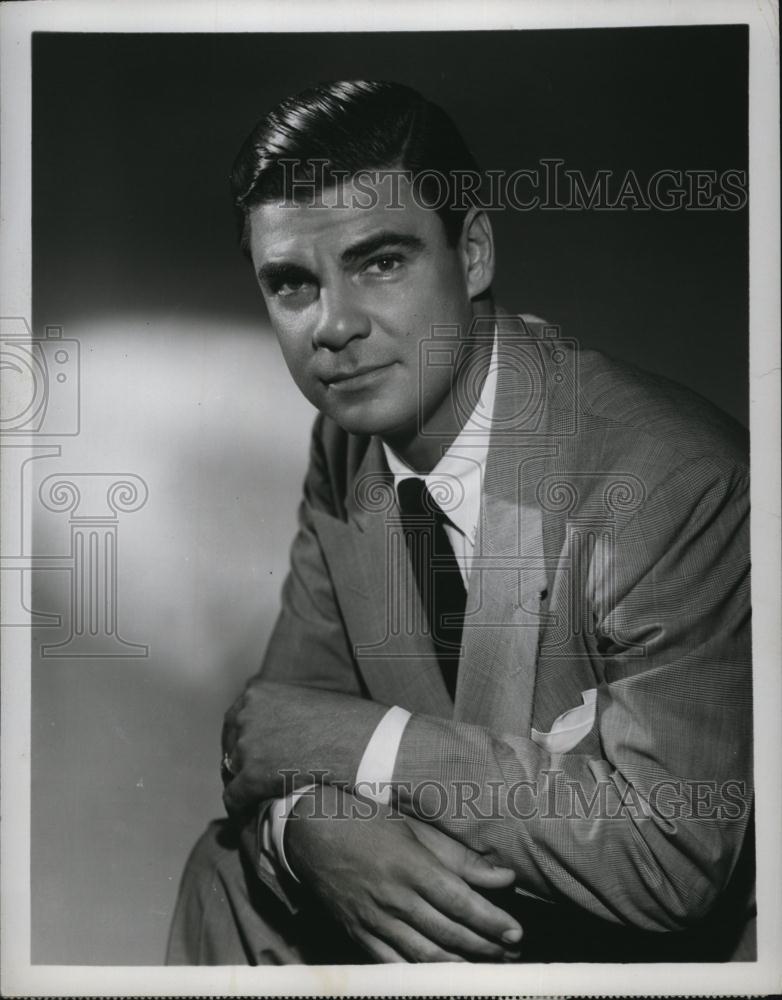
[477,248]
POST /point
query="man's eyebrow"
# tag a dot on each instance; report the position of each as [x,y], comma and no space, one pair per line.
[278,271]
[281,271]
[385,238]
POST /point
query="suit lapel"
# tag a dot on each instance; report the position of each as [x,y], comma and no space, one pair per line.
[508,578]
[497,672]
[368,561]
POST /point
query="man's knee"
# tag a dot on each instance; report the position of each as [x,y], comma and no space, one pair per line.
[199,896]
[214,856]
[216,922]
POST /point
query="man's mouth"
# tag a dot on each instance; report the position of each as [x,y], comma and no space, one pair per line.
[355,378]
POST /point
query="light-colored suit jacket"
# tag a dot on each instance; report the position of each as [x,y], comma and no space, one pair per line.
[601,729]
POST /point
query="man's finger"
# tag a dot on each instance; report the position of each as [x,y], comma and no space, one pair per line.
[456,937]
[240,794]
[479,871]
[415,947]
[230,733]
[378,949]
[460,859]
[453,897]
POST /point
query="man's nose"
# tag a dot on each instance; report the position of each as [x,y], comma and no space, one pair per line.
[341,320]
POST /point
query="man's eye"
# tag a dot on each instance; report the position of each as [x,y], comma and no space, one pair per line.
[386,264]
[285,289]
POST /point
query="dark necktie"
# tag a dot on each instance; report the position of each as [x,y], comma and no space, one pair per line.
[436,572]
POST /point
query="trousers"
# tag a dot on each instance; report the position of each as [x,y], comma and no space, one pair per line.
[225,916]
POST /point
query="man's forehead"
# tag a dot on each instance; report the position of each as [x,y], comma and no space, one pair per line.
[335,220]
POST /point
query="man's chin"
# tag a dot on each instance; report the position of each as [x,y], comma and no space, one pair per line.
[372,421]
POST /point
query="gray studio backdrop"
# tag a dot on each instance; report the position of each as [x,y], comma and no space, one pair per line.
[171,455]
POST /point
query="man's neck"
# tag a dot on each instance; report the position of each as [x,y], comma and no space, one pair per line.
[422,453]
[422,449]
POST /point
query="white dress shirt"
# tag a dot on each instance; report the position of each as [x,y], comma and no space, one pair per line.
[458,477]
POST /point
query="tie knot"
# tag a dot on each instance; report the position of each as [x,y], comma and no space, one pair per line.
[415,500]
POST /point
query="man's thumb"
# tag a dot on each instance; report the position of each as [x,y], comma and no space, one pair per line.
[479,871]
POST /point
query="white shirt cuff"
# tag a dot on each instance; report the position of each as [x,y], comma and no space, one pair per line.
[274,826]
[376,770]
[373,780]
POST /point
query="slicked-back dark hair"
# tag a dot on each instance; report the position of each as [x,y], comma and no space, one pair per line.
[350,126]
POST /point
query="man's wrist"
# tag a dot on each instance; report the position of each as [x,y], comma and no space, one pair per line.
[319,802]
[278,815]
[347,738]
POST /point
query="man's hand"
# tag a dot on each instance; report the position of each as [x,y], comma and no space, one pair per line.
[273,728]
[402,890]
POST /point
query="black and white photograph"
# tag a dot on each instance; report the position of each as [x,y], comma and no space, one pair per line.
[391,503]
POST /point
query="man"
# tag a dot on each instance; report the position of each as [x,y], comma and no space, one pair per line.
[505,712]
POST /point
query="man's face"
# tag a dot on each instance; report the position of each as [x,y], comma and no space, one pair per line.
[351,293]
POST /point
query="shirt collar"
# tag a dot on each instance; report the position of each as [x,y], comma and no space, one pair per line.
[456,481]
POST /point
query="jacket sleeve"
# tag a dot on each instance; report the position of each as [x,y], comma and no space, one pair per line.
[308,647]
[646,830]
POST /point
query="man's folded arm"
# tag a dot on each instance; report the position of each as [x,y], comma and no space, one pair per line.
[309,648]
[646,831]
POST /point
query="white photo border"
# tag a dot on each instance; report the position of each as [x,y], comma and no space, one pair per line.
[17,23]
